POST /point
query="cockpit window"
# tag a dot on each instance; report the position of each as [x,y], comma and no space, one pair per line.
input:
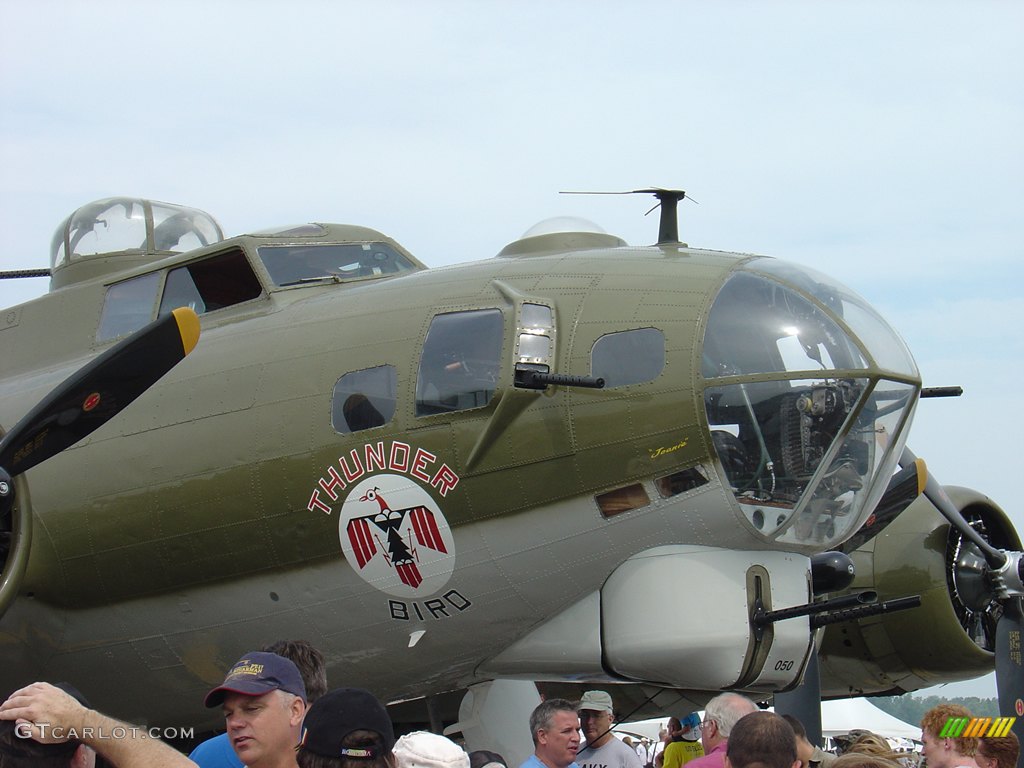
[364,399]
[220,281]
[628,357]
[128,306]
[214,283]
[461,361]
[338,262]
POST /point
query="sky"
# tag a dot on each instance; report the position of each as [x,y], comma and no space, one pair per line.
[878,142]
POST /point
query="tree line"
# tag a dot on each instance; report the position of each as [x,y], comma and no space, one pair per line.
[911,709]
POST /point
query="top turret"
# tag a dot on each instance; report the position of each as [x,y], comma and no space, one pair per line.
[118,233]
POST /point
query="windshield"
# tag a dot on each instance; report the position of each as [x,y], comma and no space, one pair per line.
[297,264]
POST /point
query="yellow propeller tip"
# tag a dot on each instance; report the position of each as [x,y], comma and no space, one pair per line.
[188,327]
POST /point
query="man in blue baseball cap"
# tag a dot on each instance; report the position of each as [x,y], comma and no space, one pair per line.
[264,700]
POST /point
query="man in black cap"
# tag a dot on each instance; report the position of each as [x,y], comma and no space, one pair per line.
[347,728]
[263,699]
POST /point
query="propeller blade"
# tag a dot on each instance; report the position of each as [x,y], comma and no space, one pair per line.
[99,391]
[1006,581]
[937,496]
[1009,670]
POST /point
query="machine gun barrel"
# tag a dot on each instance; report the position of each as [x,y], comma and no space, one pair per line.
[762,617]
[849,614]
[539,380]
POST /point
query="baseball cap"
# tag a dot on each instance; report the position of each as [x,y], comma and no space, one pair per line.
[688,724]
[596,700]
[257,673]
[337,714]
[422,749]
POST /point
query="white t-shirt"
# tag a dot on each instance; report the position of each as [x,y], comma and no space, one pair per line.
[612,754]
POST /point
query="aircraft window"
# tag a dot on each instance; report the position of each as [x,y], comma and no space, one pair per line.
[772,436]
[757,325]
[181,229]
[128,306]
[108,226]
[823,448]
[680,482]
[461,361]
[883,344]
[364,399]
[297,264]
[211,284]
[119,224]
[622,500]
[534,346]
[299,230]
[537,316]
[845,485]
[628,357]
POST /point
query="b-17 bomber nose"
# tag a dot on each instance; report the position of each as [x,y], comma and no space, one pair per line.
[808,394]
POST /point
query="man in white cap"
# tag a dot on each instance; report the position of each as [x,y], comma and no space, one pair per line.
[603,749]
[423,749]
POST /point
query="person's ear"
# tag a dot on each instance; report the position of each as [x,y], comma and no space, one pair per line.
[84,757]
[298,711]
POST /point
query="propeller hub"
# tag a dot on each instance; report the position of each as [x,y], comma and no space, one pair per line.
[1009,579]
[970,575]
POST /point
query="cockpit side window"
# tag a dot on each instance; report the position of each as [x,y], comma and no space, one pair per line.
[628,357]
[364,399]
[211,284]
[461,361]
[204,286]
[128,306]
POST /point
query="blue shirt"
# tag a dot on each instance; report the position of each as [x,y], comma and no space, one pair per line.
[215,753]
[533,762]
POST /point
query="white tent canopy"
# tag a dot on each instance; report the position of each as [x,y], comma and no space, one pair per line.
[843,715]
[837,717]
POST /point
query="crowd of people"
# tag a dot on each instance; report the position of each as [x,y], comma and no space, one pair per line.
[279,713]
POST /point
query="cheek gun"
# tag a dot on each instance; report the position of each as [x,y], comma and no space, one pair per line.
[843,608]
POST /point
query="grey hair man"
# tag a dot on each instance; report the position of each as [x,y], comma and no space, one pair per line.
[555,728]
[720,715]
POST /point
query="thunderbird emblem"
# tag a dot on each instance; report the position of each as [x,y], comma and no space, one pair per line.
[396,537]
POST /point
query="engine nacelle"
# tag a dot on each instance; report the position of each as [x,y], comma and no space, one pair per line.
[919,553]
